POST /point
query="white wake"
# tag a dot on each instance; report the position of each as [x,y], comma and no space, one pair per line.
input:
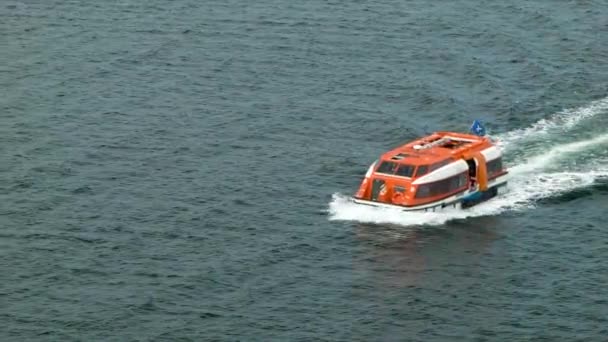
[560,122]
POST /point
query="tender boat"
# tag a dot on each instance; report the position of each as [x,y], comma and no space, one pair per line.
[442,170]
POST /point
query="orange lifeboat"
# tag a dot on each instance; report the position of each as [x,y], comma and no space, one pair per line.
[444,169]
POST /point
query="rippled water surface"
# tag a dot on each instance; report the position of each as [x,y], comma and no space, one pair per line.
[180,170]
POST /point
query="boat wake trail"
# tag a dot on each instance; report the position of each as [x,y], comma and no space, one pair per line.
[543,165]
[560,122]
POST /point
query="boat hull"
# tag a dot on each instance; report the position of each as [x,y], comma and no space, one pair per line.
[462,200]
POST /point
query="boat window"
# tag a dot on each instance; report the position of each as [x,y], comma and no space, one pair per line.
[422,170]
[440,164]
[405,170]
[387,167]
[494,167]
[442,187]
[423,191]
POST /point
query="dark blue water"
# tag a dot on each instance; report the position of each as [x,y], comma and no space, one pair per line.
[179,170]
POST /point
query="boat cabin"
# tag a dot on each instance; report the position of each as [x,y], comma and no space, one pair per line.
[431,169]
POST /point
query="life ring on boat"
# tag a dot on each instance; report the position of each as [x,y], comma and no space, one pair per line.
[398,198]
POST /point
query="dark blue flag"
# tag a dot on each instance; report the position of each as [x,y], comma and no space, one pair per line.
[478,129]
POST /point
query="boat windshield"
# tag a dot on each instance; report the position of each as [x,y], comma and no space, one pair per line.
[397,169]
[422,170]
[405,170]
[387,167]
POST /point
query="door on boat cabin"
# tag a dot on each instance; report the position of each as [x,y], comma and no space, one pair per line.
[472,172]
[377,186]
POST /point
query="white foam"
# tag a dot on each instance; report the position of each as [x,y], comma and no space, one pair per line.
[523,192]
[548,158]
[561,121]
[341,208]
